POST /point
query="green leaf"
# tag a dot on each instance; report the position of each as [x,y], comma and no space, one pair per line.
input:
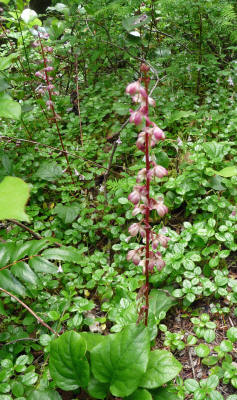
[96,389]
[67,213]
[14,193]
[92,339]
[191,385]
[6,62]
[28,15]
[211,360]
[4,1]
[134,22]
[160,300]
[164,394]
[226,346]
[122,359]
[64,254]
[11,284]
[212,381]
[44,395]
[40,264]
[227,172]
[139,394]
[68,365]
[49,171]
[232,334]
[9,108]
[209,335]
[17,389]
[162,367]
[202,350]
[215,395]
[22,271]
[29,378]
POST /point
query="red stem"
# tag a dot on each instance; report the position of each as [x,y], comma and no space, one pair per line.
[147,215]
[53,110]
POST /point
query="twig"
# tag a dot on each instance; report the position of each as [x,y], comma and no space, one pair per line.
[34,234]
[31,311]
[20,339]
[78,102]
[191,362]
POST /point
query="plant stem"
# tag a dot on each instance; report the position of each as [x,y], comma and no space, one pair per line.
[53,110]
[147,215]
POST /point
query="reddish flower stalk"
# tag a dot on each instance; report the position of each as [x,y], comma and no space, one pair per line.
[146,256]
[50,89]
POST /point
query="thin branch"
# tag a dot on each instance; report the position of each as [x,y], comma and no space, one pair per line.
[34,234]
[31,311]
[78,102]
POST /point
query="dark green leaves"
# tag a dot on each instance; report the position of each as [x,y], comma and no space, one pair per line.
[68,365]
[162,367]
[122,359]
[49,171]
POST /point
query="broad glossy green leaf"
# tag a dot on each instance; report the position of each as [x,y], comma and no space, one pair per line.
[9,108]
[40,264]
[11,284]
[96,389]
[5,253]
[164,394]
[92,339]
[122,359]
[19,251]
[232,334]
[63,253]
[44,395]
[162,367]
[140,394]
[68,365]
[160,300]
[4,1]
[14,193]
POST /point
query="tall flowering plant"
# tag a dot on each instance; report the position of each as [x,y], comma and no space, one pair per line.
[147,256]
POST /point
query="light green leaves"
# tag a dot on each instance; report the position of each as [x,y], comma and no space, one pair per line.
[122,359]
[227,172]
[9,108]
[14,193]
[6,62]
[68,365]
[44,395]
[162,367]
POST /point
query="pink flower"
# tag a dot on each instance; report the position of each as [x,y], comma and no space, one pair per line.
[136,117]
[134,197]
[48,69]
[158,133]
[133,88]
[38,74]
[160,171]
[49,104]
[141,175]
[134,229]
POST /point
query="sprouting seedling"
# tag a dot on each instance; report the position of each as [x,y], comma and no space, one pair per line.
[147,256]
[48,86]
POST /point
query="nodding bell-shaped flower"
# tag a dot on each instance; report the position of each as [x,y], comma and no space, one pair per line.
[49,104]
[159,171]
[134,229]
[136,117]
[133,88]
[48,69]
[158,133]
[133,256]
[160,208]
[141,175]
[134,197]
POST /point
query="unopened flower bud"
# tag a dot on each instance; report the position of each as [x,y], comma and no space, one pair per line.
[134,197]
[160,171]
[144,68]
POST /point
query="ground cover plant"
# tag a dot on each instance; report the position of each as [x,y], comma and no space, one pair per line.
[118,200]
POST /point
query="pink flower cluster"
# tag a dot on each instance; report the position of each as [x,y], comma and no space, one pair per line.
[143,203]
[43,74]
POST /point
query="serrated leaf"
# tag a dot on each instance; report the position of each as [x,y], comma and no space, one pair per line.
[121,359]
[14,193]
[9,108]
[44,395]
[64,254]
[68,365]
[162,367]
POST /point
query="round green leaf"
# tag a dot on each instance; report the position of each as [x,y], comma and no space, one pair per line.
[140,394]
[162,367]
[68,366]
[226,346]
[9,108]
[232,334]
[209,335]
[44,395]
[191,385]
[202,350]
